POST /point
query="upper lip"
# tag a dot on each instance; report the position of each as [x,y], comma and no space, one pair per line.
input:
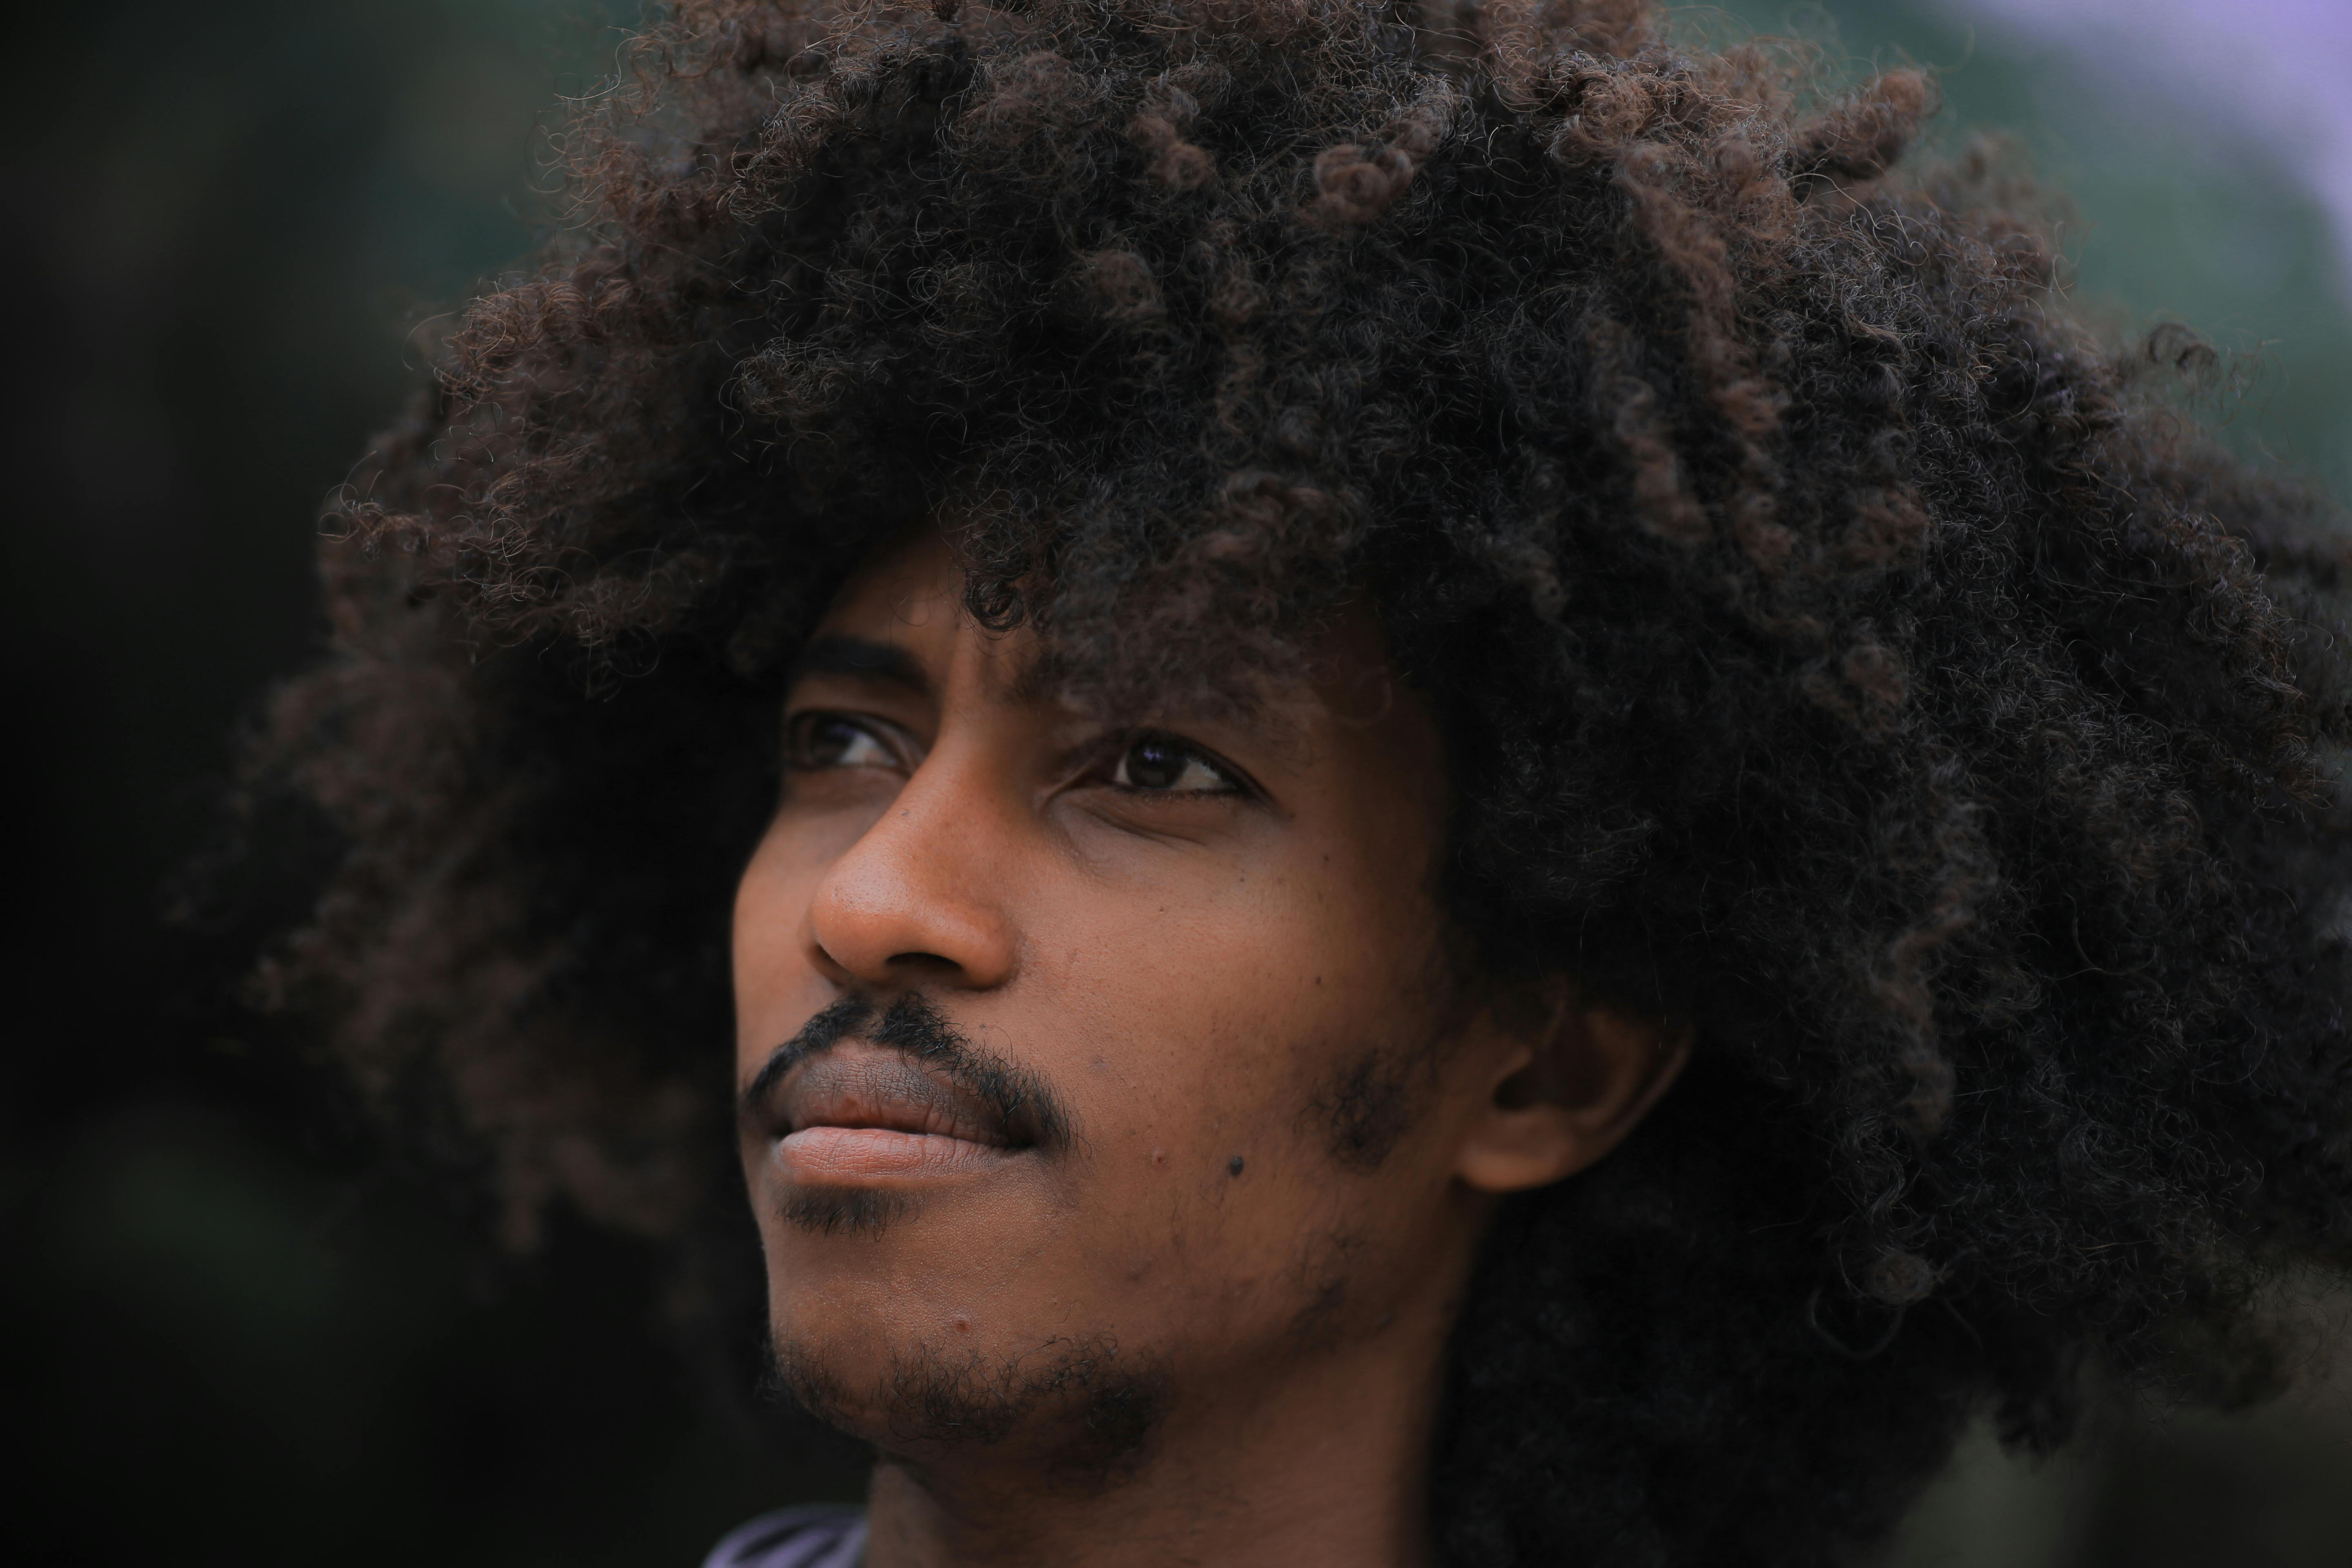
[861,1086]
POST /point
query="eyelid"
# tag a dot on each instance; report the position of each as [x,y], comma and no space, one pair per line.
[1114,746]
[896,739]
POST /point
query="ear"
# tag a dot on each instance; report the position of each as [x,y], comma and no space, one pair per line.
[1563,1089]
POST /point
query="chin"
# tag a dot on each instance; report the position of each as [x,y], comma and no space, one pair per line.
[1079,1407]
[835,1382]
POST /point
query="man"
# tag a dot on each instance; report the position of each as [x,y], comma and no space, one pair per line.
[1481,806]
[1088,1159]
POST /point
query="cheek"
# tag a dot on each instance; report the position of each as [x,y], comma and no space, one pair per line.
[1214,1025]
[1217,1033]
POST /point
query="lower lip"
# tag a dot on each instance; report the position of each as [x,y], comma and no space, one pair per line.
[833,1155]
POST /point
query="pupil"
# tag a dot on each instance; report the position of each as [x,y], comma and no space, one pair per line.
[1154,764]
[830,742]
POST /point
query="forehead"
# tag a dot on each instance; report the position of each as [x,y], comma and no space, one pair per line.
[1342,701]
[910,598]
[913,589]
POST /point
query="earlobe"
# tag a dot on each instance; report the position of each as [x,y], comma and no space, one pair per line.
[1559,1101]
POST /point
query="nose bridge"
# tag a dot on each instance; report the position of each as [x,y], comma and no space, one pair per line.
[921,890]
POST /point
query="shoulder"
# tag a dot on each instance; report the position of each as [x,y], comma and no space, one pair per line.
[826,1535]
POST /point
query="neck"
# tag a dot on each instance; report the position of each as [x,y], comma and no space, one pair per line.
[1326,1463]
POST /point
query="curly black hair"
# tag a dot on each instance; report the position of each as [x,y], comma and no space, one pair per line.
[1838,648]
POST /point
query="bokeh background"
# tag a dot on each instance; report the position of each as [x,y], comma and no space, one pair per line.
[235,1326]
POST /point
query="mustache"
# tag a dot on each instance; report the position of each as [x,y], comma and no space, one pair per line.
[1026,1110]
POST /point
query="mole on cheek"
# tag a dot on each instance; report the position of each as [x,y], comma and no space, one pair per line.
[1234,1166]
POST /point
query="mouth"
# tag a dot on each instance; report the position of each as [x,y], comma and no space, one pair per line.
[860,1115]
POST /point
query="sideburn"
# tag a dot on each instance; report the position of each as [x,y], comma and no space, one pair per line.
[1365,1106]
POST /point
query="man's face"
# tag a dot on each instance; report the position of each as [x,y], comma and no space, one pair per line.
[1097,1072]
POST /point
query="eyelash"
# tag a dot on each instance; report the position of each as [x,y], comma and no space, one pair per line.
[800,735]
[800,732]
[1230,781]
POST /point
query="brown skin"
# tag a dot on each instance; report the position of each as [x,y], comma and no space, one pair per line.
[1199,954]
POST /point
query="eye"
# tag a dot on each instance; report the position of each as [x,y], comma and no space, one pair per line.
[818,741]
[1164,765]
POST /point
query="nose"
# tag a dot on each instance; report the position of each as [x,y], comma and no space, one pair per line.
[919,896]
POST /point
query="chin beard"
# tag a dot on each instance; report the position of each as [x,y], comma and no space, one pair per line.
[853,1211]
[1091,1415]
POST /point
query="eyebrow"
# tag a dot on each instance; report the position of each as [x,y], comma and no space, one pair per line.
[862,658]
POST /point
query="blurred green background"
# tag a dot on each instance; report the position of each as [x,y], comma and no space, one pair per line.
[233,1326]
